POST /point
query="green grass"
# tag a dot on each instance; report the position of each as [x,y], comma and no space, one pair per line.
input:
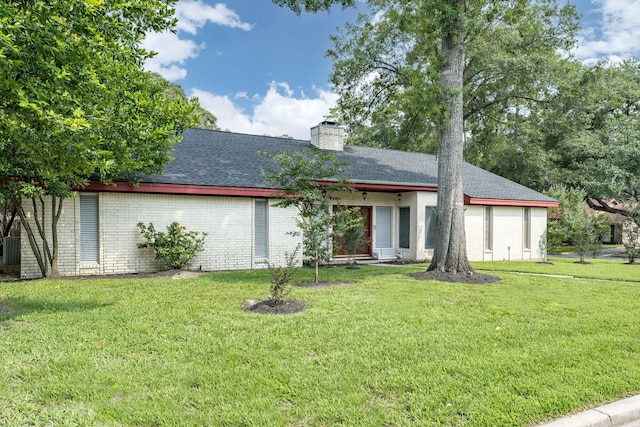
[604,269]
[387,350]
[567,248]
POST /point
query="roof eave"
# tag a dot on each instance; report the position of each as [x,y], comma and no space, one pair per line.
[207,190]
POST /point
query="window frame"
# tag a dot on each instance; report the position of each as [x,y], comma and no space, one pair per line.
[261,228]
[404,227]
[526,224]
[89,228]
[488,228]
[431,228]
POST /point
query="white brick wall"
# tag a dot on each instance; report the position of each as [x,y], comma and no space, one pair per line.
[538,229]
[227,220]
[474,230]
[230,224]
[508,233]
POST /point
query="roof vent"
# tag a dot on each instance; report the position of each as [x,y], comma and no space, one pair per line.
[328,135]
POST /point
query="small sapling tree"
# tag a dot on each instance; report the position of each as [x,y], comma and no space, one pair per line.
[631,240]
[543,246]
[177,247]
[571,223]
[585,231]
[281,276]
[306,180]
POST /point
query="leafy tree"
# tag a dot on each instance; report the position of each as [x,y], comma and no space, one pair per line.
[571,222]
[76,104]
[423,67]
[631,240]
[176,247]
[594,137]
[203,119]
[306,180]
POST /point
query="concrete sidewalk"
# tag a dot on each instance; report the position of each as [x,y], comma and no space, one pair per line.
[621,413]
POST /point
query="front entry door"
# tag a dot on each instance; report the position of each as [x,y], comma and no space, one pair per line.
[365,213]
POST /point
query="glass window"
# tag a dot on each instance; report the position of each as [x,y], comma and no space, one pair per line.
[404,228]
[383,227]
[430,225]
[527,228]
[89,232]
[488,227]
[261,229]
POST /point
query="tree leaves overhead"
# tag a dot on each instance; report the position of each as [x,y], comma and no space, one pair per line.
[74,99]
[76,104]
[203,119]
[595,136]
[298,6]
[386,65]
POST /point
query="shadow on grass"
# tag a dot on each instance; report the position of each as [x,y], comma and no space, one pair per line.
[17,306]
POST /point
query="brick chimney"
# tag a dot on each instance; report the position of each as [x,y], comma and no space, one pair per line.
[328,135]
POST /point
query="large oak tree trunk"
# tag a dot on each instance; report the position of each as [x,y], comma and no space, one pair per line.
[450,253]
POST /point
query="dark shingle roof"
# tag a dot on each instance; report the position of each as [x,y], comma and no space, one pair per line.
[224,159]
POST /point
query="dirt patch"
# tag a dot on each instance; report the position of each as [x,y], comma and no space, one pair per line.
[271,307]
[327,284]
[9,273]
[473,278]
[9,277]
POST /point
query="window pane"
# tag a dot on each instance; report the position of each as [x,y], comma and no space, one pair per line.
[89,238]
[404,232]
[488,227]
[527,228]
[261,229]
[430,225]
[383,227]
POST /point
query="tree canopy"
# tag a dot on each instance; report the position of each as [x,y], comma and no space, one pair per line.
[75,102]
[386,67]
[598,146]
[74,99]
[203,119]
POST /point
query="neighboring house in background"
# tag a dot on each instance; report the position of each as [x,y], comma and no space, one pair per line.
[214,184]
[617,222]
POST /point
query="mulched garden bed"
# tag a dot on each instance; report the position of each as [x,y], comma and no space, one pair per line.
[270,307]
[473,279]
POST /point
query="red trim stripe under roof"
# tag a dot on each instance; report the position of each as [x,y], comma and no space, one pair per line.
[195,190]
[205,190]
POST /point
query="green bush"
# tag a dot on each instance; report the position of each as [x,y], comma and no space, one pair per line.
[176,247]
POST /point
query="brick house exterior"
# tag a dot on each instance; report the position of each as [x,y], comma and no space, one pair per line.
[214,184]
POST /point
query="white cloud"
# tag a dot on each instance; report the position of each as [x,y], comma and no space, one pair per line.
[193,15]
[173,51]
[276,113]
[620,32]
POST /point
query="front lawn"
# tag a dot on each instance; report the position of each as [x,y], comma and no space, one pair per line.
[605,269]
[387,350]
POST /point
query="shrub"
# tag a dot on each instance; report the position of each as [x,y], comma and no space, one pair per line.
[280,277]
[177,247]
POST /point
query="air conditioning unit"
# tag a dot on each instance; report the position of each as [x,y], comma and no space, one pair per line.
[11,251]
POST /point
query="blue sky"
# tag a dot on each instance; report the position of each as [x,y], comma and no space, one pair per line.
[261,69]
